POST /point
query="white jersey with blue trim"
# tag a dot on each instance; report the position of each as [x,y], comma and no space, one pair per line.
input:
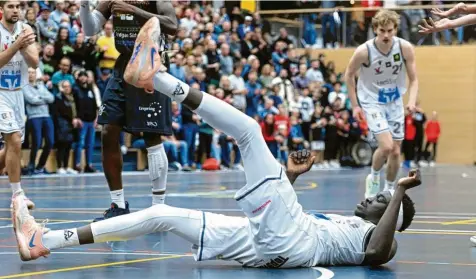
[14,75]
[383,80]
[341,239]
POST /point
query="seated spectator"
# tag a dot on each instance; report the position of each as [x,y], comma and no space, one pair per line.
[48,27]
[296,136]
[37,99]
[254,96]
[63,74]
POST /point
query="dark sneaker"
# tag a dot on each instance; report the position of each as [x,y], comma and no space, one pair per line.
[89,169]
[113,212]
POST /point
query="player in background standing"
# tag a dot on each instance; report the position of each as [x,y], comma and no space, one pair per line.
[383,64]
[17,53]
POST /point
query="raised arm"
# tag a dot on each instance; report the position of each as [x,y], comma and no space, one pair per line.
[166,16]
[94,21]
[30,52]
[360,57]
[299,162]
[382,245]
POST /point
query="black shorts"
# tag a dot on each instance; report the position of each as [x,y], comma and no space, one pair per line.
[132,108]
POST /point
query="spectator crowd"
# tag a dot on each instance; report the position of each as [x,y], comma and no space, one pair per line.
[299,101]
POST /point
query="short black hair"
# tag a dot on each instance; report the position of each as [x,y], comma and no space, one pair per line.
[2,3]
[408,212]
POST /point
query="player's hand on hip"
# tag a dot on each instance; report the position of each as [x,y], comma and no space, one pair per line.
[300,161]
[413,180]
[358,114]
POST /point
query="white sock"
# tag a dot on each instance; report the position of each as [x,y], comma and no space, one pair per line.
[389,185]
[170,86]
[117,197]
[375,174]
[158,168]
[15,187]
[60,239]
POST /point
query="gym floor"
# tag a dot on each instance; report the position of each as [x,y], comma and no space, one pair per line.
[436,245]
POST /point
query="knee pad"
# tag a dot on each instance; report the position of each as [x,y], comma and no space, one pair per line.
[158,162]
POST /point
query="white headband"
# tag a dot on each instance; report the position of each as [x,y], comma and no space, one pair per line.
[400,214]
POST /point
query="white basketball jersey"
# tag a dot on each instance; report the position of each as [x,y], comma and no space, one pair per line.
[341,239]
[383,80]
[14,75]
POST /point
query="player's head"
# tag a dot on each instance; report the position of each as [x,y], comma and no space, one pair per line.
[385,24]
[372,209]
[10,11]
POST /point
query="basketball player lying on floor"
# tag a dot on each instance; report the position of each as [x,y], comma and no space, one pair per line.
[276,232]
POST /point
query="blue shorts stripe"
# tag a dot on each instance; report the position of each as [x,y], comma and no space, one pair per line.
[201,237]
[261,183]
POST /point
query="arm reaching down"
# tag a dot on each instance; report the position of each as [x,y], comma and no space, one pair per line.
[382,245]
[408,52]
[360,57]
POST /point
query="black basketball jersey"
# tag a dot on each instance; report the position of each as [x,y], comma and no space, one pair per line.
[127,26]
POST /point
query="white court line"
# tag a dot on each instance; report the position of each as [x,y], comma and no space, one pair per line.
[105,253]
[54,223]
[441,231]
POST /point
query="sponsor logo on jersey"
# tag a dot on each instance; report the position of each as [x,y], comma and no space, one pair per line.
[378,71]
[396,57]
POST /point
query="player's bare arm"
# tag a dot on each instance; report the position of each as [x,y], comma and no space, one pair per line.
[382,246]
[30,52]
[460,8]
[431,26]
[299,162]
[94,21]
[408,52]
[360,57]
[167,17]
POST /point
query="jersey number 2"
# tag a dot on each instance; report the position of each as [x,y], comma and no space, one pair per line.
[397,68]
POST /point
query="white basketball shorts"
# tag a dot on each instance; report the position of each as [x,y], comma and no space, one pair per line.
[386,118]
[275,234]
[12,113]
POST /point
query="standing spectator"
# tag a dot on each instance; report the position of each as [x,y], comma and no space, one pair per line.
[286,87]
[187,22]
[432,132]
[419,119]
[408,144]
[107,46]
[318,124]
[254,96]
[48,64]
[280,59]
[213,67]
[66,123]
[190,130]
[48,27]
[30,18]
[86,109]
[239,89]
[246,27]
[296,136]
[37,99]
[307,110]
[79,54]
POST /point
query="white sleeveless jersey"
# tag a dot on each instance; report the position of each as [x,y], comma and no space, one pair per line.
[14,75]
[383,80]
[341,239]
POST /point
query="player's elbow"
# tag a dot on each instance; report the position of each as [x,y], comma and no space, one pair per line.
[34,62]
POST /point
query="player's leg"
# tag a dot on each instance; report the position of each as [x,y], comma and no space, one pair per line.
[3,153]
[112,117]
[379,126]
[158,166]
[396,122]
[151,115]
[35,241]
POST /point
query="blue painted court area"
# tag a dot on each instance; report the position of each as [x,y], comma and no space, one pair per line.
[436,245]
